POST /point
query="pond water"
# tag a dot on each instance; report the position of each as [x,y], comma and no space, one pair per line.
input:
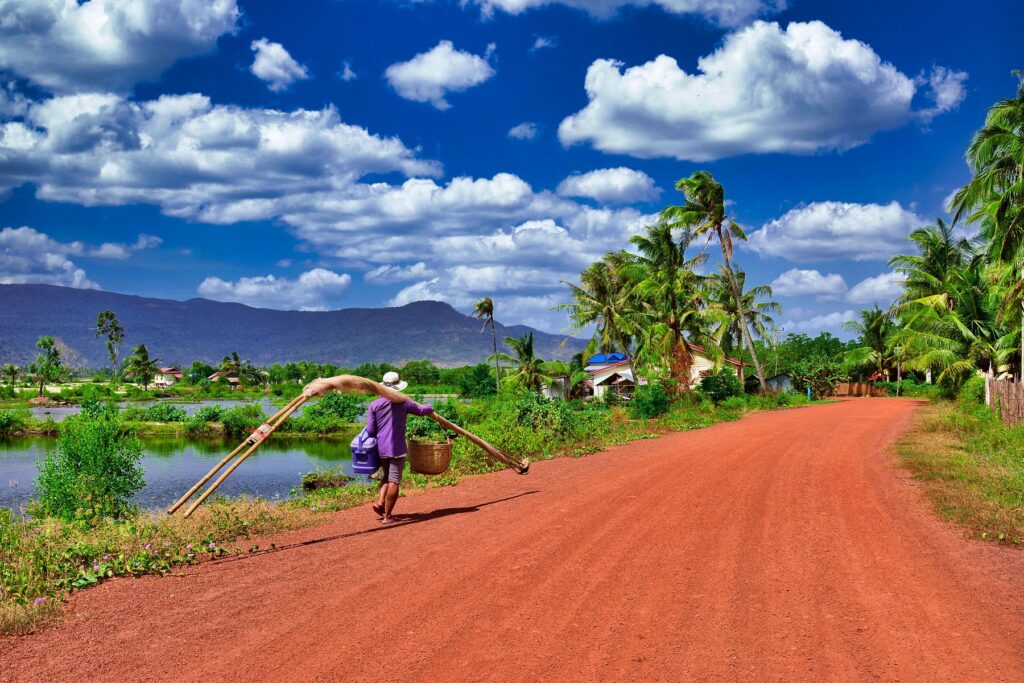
[173,465]
[58,413]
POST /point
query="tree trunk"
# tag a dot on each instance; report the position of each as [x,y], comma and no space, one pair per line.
[988,384]
[42,384]
[497,372]
[744,331]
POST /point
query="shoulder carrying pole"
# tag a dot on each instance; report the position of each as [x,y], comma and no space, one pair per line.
[520,467]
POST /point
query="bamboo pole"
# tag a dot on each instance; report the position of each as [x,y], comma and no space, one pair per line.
[520,467]
[248,441]
[220,480]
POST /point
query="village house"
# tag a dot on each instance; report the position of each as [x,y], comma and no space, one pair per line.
[229,377]
[611,372]
[167,377]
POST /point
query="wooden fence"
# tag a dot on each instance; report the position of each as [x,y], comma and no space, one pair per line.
[857,389]
[1007,400]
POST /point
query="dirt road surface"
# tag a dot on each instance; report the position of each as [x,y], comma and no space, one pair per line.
[784,547]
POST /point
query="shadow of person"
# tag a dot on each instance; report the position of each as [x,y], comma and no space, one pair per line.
[403,520]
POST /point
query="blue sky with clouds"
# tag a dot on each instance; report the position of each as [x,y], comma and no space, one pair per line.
[337,153]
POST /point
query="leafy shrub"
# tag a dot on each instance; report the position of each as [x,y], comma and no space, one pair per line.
[649,401]
[477,382]
[209,413]
[737,402]
[94,471]
[242,419]
[7,391]
[721,384]
[13,420]
[344,407]
[325,479]
[973,390]
[165,412]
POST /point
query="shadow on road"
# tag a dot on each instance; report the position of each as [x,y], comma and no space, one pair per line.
[404,520]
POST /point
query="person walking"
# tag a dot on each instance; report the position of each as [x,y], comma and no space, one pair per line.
[386,421]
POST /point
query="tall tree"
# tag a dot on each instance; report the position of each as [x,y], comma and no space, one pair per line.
[141,366]
[668,300]
[704,213]
[484,309]
[47,366]
[602,301]
[994,197]
[11,373]
[754,303]
[110,328]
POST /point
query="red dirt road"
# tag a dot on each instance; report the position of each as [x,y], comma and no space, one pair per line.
[785,547]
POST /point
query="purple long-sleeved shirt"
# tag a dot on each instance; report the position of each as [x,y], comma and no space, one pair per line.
[385,421]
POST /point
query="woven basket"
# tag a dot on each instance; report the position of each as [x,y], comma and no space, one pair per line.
[430,457]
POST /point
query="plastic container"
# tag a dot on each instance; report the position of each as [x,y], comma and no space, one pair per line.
[365,459]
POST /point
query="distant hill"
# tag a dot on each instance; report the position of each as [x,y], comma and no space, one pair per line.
[178,332]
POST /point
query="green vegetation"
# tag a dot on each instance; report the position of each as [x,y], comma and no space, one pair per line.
[95,470]
[651,401]
[971,466]
[720,385]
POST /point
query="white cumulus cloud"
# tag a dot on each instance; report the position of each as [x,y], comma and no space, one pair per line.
[314,290]
[881,290]
[274,65]
[721,12]
[612,185]
[799,282]
[216,163]
[121,251]
[431,75]
[29,256]
[798,90]
[837,230]
[523,131]
[106,45]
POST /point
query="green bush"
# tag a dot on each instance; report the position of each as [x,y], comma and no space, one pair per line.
[721,384]
[208,414]
[94,471]
[343,407]
[425,427]
[165,412]
[973,390]
[649,401]
[737,402]
[242,420]
[13,420]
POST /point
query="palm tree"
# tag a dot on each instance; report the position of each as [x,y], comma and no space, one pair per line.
[141,366]
[873,331]
[232,364]
[602,300]
[928,273]
[961,340]
[756,305]
[668,300]
[994,197]
[484,308]
[530,372]
[704,213]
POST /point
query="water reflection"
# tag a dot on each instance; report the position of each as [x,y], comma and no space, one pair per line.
[173,465]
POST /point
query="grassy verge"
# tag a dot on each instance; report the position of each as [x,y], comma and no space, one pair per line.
[971,467]
[42,560]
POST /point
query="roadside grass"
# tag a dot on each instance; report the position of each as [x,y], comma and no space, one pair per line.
[971,467]
[43,560]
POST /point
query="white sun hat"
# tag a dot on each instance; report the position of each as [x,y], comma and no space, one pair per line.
[392,381]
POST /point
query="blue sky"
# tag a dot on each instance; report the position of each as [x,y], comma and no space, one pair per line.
[340,153]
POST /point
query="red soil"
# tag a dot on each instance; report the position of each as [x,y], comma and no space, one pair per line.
[784,547]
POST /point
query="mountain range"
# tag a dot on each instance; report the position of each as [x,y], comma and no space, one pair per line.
[178,332]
